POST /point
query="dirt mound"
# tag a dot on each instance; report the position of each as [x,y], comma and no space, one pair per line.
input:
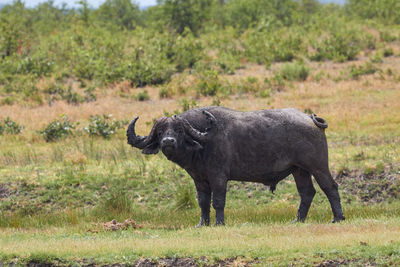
[181,262]
[164,262]
[191,262]
[370,187]
[346,262]
[4,192]
[113,225]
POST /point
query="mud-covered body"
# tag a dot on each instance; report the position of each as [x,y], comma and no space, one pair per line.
[259,146]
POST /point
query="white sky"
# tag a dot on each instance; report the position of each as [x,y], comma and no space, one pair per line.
[96,3]
[92,3]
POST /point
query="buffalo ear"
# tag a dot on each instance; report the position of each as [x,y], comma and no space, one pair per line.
[193,144]
[152,148]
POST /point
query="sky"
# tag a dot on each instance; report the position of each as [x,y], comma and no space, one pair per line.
[96,3]
[92,3]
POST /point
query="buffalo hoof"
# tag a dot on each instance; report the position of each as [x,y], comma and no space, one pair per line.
[202,223]
[298,220]
[219,224]
[336,220]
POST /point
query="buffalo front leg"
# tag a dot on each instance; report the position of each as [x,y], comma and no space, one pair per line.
[306,191]
[218,188]
[204,199]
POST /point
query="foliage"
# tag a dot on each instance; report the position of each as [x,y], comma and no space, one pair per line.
[357,71]
[119,42]
[103,126]
[386,11]
[187,13]
[342,42]
[11,127]
[264,47]
[294,71]
[142,96]
[209,83]
[57,129]
[121,13]
[245,14]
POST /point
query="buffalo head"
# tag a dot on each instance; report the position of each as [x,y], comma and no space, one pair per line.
[173,135]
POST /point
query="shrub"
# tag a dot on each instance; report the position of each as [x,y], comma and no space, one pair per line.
[11,127]
[265,47]
[185,50]
[228,62]
[377,58]
[103,126]
[166,91]
[388,52]
[294,71]
[386,11]
[57,129]
[188,104]
[142,96]
[248,85]
[357,71]
[387,36]
[209,83]
[340,42]
[187,13]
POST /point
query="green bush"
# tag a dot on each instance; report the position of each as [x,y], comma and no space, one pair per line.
[188,104]
[142,96]
[11,127]
[339,40]
[57,129]
[277,46]
[294,71]
[244,14]
[121,13]
[209,83]
[166,92]
[185,50]
[191,14]
[103,126]
[388,52]
[357,71]
[228,62]
[386,11]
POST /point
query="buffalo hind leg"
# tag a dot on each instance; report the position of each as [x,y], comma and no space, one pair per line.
[204,199]
[330,188]
[306,191]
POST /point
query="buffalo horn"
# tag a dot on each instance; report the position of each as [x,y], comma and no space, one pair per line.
[137,140]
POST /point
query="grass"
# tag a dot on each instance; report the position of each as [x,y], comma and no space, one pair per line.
[368,239]
[52,193]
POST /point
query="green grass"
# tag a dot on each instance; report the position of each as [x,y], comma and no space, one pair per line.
[377,240]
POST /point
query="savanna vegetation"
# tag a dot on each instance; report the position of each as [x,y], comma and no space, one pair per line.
[71,79]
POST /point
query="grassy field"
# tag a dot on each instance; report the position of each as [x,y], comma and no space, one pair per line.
[360,242]
[59,193]
[54,196]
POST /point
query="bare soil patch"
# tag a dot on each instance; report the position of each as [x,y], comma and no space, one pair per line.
[4,192]
[370,187]
[346,262]
[164,262]
[113,225]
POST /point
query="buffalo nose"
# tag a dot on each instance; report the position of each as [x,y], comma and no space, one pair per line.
[168,141]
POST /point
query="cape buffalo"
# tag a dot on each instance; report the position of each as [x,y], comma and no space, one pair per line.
[216,144]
